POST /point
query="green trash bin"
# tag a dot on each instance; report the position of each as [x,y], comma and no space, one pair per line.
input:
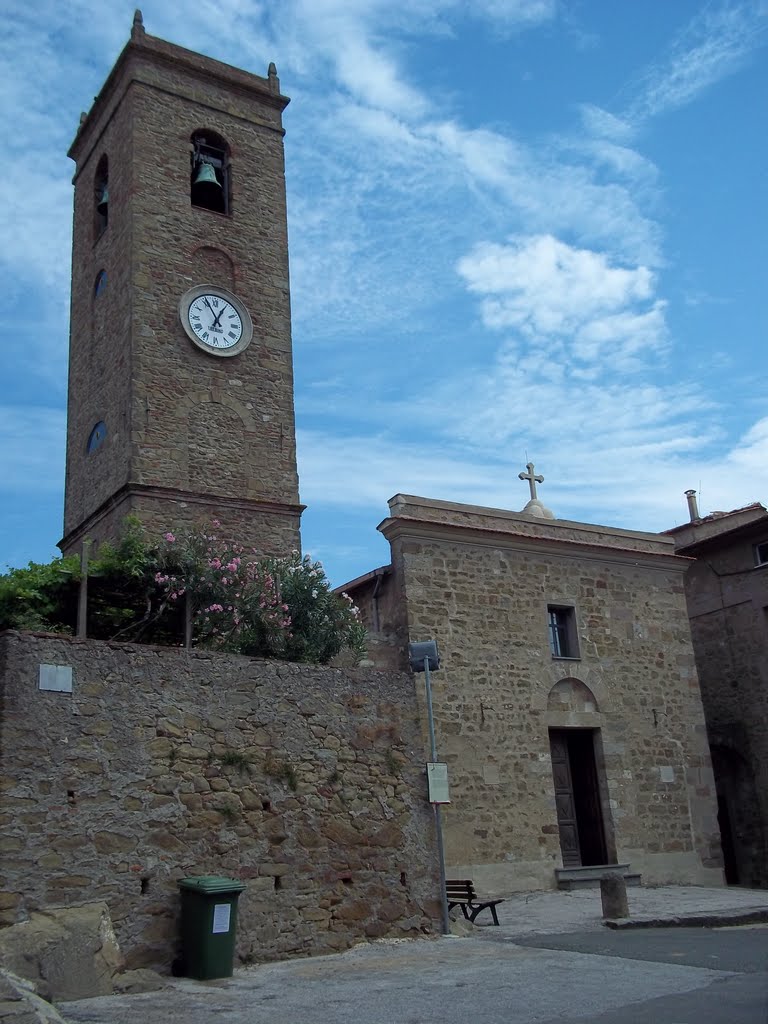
[208,925]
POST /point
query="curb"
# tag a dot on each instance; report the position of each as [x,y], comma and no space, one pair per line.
[714,920]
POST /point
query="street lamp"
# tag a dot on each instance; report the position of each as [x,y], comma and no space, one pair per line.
[424,658]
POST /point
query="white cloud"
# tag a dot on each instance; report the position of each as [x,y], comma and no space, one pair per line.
[715,44]
[602,124]
[544,287]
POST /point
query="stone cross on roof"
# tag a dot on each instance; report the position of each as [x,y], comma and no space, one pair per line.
[534,506]
[532,479]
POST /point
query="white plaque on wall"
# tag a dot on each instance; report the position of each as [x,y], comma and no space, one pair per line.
[55,677]
[437,777]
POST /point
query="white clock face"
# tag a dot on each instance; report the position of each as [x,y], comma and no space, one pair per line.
[215,320]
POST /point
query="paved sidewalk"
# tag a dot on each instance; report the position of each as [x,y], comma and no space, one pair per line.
[488,975]
[554,912]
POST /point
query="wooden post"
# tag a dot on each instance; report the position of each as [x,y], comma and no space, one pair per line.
[187,619]
[82,597]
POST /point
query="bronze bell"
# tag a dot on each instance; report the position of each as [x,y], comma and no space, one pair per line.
[206,181]
[103,204]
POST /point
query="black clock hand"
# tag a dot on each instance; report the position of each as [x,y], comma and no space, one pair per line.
[216,320]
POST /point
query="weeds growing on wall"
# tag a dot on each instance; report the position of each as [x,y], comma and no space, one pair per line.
[194,583]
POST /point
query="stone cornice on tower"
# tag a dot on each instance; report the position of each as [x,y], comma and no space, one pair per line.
[141,59]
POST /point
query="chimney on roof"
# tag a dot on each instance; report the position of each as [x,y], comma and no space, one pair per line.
[693,506]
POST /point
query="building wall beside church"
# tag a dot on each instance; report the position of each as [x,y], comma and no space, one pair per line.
[727,595]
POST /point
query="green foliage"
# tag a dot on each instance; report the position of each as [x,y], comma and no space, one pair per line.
[322,623]
[235,759]
[137,591]
[229,812]
[124,600]
[273,608]
[41,597]
[283,771]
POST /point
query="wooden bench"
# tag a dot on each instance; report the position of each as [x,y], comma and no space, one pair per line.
[461,893]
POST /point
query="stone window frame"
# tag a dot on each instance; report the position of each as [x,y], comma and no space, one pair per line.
[562,631]
[761,553]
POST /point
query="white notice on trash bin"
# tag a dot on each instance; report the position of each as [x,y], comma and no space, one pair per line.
[220,918]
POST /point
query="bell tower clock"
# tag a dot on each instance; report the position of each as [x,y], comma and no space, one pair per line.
[180,375]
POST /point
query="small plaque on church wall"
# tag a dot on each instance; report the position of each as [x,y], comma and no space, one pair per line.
[667,773]
[437,777]
[55,677]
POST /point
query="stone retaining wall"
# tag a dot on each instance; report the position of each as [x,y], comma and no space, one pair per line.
[306,783]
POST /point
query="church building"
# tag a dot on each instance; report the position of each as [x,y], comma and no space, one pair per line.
[567,704]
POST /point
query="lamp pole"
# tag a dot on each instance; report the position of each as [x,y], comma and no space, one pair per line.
[421,656]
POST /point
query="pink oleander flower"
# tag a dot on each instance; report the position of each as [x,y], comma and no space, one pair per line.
[169,537]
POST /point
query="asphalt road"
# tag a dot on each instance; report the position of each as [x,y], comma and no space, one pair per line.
[648,976]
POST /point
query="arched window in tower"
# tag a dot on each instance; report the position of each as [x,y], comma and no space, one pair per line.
[210,179]
[101,196]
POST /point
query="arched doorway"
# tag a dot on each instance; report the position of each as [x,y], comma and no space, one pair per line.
[576,776]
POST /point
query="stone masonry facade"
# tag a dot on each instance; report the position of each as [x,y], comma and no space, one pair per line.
[306,783]
[480,581]
[727,593]
[189,436]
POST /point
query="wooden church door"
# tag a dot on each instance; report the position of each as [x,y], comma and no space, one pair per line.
[577,797]
[564,802]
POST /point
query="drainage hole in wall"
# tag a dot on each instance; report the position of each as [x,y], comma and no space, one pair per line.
[70,796]
[403,878]
[144,885]
[346,879]
[266,805]
[278,882]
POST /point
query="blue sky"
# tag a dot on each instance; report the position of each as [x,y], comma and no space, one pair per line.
[519,229]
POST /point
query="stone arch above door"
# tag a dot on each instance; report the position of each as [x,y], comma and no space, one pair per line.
[556,693]
[572,695]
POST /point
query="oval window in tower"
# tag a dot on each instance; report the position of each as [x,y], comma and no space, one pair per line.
[96,437]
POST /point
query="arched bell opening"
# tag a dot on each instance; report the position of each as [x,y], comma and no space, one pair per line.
[101,197]
[210,173]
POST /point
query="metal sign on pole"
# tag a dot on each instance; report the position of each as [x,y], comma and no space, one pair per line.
[423,658]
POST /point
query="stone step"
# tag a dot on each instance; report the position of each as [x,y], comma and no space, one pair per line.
[589,877]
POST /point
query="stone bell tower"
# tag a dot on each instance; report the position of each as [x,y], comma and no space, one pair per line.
[180,374]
